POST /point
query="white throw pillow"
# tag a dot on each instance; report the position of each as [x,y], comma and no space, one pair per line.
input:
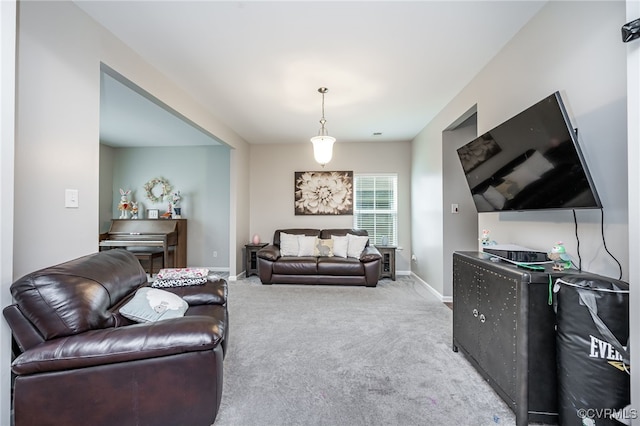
[306,245]
[289,244]
[356,245]
[340,245]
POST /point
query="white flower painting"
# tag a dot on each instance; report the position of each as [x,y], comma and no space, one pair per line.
[324,193]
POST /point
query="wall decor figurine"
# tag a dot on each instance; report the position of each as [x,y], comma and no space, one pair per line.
[134,210]
[485,240]
[176,198]
[561,260]
[124,205]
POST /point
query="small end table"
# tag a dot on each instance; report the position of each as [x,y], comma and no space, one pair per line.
[251,257]
[388,264]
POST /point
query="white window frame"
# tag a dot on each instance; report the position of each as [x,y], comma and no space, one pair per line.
[375,237]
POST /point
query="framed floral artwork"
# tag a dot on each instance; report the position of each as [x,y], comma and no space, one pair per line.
[323,193]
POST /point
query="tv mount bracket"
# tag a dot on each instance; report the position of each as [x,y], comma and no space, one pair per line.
[630,31]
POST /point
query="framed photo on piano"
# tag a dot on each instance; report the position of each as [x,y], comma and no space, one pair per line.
[153,213]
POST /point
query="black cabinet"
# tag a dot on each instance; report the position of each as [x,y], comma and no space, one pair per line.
[388,264]
[251,258]
[504,326]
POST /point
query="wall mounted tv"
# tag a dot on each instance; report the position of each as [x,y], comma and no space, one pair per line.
[530,162]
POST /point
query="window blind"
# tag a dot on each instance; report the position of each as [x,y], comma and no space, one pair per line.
[376,206]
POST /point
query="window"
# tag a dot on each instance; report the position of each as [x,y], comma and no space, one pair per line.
[376,206]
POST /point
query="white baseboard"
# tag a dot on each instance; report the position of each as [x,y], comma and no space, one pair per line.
[241,275]
[435,292]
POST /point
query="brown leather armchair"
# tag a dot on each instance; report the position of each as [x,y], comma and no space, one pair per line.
[79,361]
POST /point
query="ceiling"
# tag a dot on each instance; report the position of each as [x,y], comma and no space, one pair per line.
[390,66]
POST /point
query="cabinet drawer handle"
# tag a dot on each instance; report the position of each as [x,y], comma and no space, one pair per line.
[482,318]
[475,313]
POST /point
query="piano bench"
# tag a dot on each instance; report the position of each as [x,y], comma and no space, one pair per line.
[148,255]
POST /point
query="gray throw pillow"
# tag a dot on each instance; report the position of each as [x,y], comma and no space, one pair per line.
[152,304]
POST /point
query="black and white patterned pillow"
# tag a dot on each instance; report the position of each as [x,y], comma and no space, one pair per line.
[177,282]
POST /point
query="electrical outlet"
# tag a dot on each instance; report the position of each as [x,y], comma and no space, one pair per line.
[455,209]
[215,254]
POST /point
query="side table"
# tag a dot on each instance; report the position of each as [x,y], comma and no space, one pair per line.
[251,252]
[388,264]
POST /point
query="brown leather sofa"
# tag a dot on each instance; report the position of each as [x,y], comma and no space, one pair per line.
[273,268]
[78,361]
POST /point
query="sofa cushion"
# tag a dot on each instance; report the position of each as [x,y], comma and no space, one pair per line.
[75,296]
[296,266]
[289,245]
[357,244]
[327,233]
[340,266]
[154,304]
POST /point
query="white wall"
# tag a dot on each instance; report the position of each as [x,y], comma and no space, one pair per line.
[272,186]
[7,134]
[461,228]
[201,174]
[58,126]
[573,47]
[57,129]
[59,51]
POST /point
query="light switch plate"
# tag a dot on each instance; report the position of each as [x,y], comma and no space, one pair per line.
[71,198]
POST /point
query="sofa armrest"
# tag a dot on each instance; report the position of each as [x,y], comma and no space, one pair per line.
[213,292]
[270,252]
[369,254]
[114,345]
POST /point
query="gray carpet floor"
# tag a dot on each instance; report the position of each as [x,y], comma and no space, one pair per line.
[337,355]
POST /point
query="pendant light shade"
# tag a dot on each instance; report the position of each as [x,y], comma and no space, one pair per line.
[323,148]
[323,143]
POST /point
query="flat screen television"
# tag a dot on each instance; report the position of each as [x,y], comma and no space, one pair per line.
[530,162]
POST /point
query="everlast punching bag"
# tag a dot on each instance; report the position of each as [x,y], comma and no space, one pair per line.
[592,351]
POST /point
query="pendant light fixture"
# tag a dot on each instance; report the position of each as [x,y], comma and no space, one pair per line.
[323,143]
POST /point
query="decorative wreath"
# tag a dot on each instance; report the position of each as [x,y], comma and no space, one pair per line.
[166,189]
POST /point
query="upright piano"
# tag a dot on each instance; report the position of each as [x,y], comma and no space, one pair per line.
[168,234]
